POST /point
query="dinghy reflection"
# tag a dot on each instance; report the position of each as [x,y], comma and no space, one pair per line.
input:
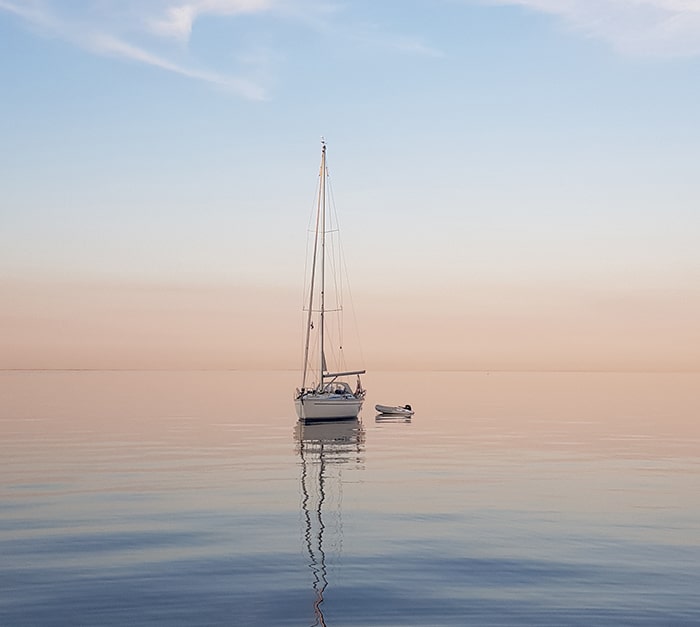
[389,418]
[327,449]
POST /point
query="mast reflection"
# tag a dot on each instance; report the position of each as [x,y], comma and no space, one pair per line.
[326,449]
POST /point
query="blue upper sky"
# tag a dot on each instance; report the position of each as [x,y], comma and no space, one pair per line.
[520,140]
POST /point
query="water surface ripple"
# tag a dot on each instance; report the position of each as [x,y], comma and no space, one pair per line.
[195,498]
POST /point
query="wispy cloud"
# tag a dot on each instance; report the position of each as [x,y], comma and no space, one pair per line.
[666,28]
[177,20]
[375,37]
[159,33]
[110,28]
[108,45]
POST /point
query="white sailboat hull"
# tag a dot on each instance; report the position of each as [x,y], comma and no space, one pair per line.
[327,407]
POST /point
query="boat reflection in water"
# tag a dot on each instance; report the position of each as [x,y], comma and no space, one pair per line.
[388,418]
[326,450]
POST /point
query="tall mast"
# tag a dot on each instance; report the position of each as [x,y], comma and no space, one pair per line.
[322,209]
[313,275]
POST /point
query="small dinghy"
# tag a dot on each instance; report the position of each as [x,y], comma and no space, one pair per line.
[391,410]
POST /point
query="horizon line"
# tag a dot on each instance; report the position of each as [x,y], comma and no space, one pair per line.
[442,370]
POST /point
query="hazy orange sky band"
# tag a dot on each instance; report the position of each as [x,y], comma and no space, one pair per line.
[54,324]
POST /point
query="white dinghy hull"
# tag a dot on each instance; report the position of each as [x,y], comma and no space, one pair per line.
[390,410]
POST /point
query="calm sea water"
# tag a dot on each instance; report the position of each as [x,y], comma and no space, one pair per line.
[195,498]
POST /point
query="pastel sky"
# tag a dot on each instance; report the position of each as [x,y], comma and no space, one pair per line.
[517,180]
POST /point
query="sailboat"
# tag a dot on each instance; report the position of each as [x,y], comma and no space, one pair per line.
[324,393]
